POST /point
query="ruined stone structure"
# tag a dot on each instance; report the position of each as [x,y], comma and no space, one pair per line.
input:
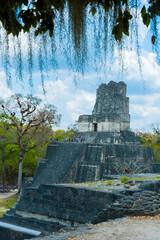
[55,206]
[110,112]
[110,119]
[47,203]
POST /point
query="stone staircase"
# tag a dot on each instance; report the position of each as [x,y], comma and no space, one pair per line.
[58,161]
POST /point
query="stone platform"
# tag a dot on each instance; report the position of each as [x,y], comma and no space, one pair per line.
[52,207]
[82,162]
[122,137]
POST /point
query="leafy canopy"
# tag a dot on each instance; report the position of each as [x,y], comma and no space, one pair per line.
[20,15]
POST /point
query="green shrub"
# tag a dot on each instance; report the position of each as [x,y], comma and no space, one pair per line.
[109,182]
[90,184]
[124,179]
[142,140]
[149,140]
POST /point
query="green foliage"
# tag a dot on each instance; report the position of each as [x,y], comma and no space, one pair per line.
[151,140]
[122,25]
[40,15]
[124,179]
[7,203]
[9,152]
[90,184]
[29,163]
[31,125]
[145,16]
[93,10]
[109,182]
[62,134]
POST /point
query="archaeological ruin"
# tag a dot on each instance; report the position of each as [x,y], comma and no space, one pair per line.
[110,112]
[48,202]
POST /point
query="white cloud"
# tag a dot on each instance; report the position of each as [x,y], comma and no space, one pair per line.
[5,92]
[144,110]
[81,104]
[69,100]
[149,68]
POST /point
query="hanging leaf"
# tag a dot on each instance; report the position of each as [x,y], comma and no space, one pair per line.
[117,31]
[143,11]
[153,39]
[93,11]
[146,19]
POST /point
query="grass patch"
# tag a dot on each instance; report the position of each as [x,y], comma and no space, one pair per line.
[95,184]
[106,184]
[146,179]
[7,203]
[109,182]
[124,179]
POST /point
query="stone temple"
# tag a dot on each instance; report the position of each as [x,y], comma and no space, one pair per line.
[110,119]
[48,203]
[109,148]
[110,112]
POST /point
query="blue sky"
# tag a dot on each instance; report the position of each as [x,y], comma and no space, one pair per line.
[72,100]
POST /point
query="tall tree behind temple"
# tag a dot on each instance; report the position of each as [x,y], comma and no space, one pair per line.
[29,119]
[9,153]
[6,138]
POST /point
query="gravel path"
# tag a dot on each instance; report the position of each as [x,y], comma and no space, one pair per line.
[135,228]
[124,229]
[8,194]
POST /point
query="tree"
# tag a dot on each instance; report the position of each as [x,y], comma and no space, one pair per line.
[68,22]
[27,116]
[6,138]
[152,140]
[40,14]
[62,134]
[9,153]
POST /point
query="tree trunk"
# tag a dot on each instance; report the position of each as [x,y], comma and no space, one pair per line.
[20,176]
[3,172]
[19,184]
[21,156]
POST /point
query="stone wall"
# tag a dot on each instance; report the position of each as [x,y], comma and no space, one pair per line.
[81,162]
[123,137]
[110,112]
[106,126]
[59,160]
[143,201]
[101,160]
[111,99]
[51,207]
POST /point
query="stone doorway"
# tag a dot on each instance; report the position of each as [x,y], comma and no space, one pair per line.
[95,127]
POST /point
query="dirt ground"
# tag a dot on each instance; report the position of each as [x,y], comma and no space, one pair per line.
[139,228]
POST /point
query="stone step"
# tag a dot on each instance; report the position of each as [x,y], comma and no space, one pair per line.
[11,231]
[34,222]
[60,158]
